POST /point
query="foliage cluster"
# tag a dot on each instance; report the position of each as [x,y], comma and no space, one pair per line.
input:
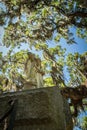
[37,23]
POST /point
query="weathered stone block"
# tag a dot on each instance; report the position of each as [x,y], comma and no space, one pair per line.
[39,109]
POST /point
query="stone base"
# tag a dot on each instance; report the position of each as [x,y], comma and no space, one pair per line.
[39,109]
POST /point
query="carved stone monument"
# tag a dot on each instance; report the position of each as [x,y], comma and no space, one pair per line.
[38,109]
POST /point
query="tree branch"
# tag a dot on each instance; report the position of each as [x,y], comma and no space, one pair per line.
[79,14]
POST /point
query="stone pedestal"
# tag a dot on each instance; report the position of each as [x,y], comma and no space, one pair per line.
[39,109]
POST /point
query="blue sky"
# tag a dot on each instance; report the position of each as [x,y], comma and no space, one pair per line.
[80,47]
[1,35]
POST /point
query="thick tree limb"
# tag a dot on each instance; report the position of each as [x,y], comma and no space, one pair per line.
[76,95]
[78,14]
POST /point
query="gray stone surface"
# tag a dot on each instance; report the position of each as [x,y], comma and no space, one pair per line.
[39,109]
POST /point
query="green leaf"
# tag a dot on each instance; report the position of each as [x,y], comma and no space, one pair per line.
[27,32]
[14,2]
[44,12]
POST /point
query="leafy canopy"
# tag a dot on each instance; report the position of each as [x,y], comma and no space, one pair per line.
[37,22]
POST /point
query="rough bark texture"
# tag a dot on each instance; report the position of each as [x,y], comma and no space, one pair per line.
[39,109]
